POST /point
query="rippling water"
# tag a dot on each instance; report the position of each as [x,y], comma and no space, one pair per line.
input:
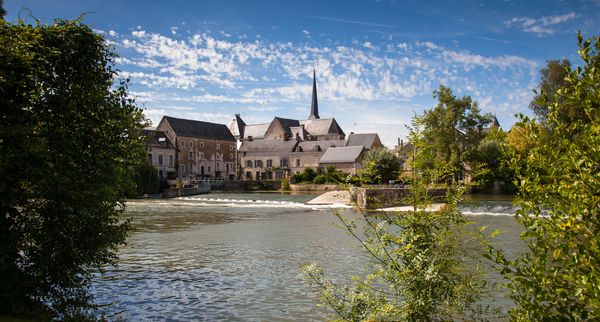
[237,257]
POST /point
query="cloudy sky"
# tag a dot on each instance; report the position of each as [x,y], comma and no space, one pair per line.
[377,62]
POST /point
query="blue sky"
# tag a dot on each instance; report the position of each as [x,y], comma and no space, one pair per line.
[377,61]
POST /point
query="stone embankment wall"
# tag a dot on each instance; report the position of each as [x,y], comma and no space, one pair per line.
[372,198]
[190,191]
[314,187]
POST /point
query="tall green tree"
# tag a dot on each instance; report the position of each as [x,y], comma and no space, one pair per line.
[380,166]
[452,131]
[551,79]
[559,185]
[70,141]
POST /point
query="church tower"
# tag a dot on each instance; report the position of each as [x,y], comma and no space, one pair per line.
[314,107]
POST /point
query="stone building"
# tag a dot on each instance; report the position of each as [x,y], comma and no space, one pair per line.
[285,146]
[347,159]
[161,154]
[204,150]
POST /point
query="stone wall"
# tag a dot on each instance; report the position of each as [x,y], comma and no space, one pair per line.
[180,192]
[372,198]
[314,187]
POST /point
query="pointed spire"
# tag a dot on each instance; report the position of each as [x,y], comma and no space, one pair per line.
[314,107]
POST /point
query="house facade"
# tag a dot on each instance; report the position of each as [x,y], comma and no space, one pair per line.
[204,150]
[161,153]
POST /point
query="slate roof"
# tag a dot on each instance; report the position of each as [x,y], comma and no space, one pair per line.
[367,140]
[308,146]
[318,127]
[256,131]
[268,145]
[199,129]
[348,154]
[157,139]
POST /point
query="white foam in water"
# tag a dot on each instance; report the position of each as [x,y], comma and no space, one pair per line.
[250,203]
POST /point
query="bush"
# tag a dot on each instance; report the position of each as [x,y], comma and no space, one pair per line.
[285,184]
[320,179]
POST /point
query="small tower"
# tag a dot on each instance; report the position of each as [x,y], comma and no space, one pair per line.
[314,107]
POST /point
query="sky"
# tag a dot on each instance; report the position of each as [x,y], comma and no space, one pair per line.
[377,62]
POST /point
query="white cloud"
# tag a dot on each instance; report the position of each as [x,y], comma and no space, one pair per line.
[541,26]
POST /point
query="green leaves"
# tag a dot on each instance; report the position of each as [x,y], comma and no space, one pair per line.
[69,144]
[559,177]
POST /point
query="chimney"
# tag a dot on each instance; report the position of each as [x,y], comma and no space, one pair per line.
[401,143]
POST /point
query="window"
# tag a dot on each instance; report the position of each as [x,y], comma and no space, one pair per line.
[218,166]
[230,156]
[249,163]
[283,162]
[231,148]
[297,162]
[171,160]
[183,168]
[182,143]
[150,158]
[191,144]
[201,145]
[258,163]
[218,146]
[201,155]
[269,163]
[208,168]
[160,159]
[190,155]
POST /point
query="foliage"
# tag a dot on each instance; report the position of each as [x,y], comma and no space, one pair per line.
[380,166]
[320,179]
[146,180]
[70,141]
[2,10]
[308,175]
[551,79]
[452,131]
[285,184]
[418,271]
[559,181]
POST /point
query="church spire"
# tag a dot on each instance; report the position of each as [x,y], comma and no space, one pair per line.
[314,107]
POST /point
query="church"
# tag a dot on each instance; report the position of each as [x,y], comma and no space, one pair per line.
[283,147]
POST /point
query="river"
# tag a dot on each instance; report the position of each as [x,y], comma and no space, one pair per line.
[238,257]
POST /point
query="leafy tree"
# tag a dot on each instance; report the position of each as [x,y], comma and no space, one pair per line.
[285,184]
[308,175]
[146,180]
[559,180]
[452,131]
[551,79]
[379,166]
[418,270]
[70,141]
[2,10]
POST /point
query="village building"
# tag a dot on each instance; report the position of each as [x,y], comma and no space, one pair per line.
[347,159]
[161,153]
[283,147]
[204,150]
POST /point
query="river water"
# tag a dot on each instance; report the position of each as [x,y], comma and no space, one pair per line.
[238,257]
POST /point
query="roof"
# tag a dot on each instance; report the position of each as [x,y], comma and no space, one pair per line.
[256,131]
[236,126]
[199,129]
[318,127]
[157,139]
[268,145]
[346,154]
[308,146]
[367,140]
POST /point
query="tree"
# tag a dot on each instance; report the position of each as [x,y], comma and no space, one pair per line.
[418,270]
[70,141]
[551,79]
[380,166]
[2,10]
[559,180]
[146,180]
[452,130]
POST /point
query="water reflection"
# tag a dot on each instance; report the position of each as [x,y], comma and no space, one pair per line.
[222,257]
